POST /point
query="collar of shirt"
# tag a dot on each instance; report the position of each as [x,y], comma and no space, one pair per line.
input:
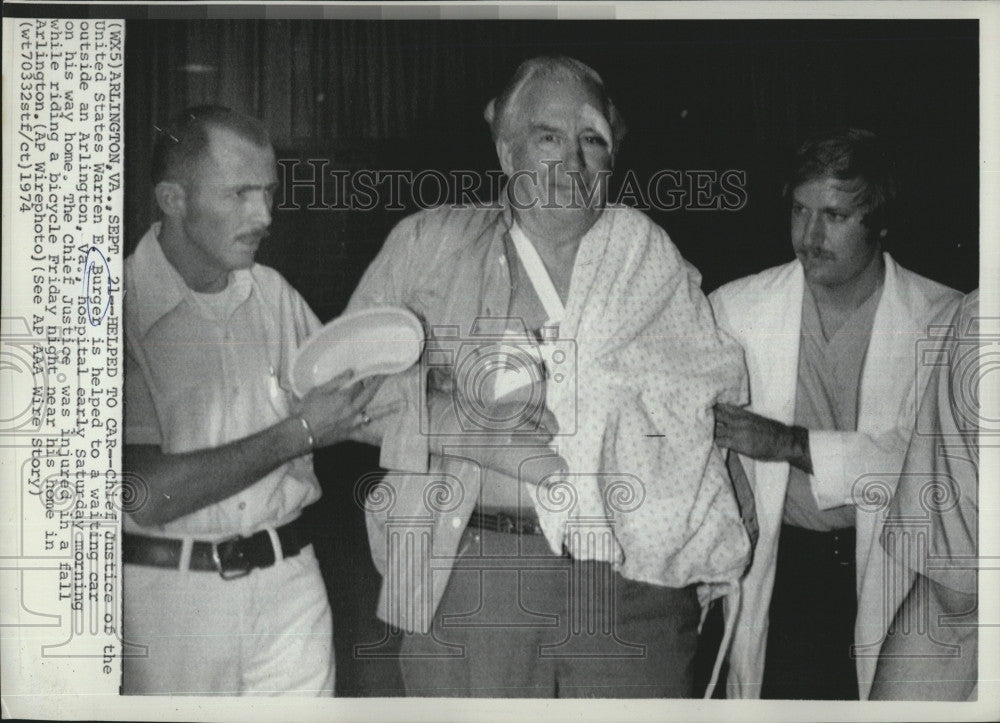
[163,288]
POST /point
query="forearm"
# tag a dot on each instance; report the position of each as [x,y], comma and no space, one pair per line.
[524,456]
[446,440]
[762,438]
[180,484]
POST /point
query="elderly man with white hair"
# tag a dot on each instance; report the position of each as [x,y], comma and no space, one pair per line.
[556,511]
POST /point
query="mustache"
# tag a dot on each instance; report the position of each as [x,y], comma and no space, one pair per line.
[816,254]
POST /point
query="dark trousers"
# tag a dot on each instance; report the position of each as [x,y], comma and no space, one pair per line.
[518,621]
[812,614]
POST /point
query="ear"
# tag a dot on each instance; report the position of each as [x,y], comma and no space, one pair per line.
[171,198]
[504,155]
[491,111]
[618,126]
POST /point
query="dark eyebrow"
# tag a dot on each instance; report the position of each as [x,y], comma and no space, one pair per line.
[544,128]
[846,210]
[253,187]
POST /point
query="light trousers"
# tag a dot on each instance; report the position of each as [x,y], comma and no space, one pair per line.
[269,633]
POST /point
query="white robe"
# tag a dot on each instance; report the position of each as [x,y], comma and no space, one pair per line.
[764,312]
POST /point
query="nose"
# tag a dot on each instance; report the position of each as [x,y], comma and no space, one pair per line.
[574,159]
[813,231]
[260,208]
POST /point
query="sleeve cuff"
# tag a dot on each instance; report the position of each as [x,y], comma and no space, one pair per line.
[404,440]
[827,454]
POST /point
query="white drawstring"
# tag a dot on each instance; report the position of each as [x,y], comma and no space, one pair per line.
[704,615]
[727,636]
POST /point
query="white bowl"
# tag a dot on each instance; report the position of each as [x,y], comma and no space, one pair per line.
[383,340]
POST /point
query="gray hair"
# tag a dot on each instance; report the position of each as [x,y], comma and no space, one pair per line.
[499,110]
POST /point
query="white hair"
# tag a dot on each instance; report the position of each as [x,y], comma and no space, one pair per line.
[499,110]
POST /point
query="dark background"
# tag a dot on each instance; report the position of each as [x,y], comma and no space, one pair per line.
[697,95]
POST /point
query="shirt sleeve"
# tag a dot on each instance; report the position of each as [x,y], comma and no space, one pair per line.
[306,322]
[141,423]
[845,462]
[939,482]
[404,433]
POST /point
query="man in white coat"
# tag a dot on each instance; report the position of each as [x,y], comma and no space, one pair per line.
[830,341]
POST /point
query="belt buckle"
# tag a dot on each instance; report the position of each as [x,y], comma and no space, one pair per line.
[228,557]
[506,523]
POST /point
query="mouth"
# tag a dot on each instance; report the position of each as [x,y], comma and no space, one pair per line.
[254,238]
[574,192]
[815,256]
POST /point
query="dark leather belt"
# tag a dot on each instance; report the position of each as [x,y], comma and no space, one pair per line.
[231,558]
[516,522]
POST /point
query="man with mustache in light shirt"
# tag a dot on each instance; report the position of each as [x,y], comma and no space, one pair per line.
[830,342]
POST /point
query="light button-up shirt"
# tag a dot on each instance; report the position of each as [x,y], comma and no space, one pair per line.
[203,370]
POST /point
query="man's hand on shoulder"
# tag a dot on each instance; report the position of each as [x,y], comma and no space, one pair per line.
[761,438]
